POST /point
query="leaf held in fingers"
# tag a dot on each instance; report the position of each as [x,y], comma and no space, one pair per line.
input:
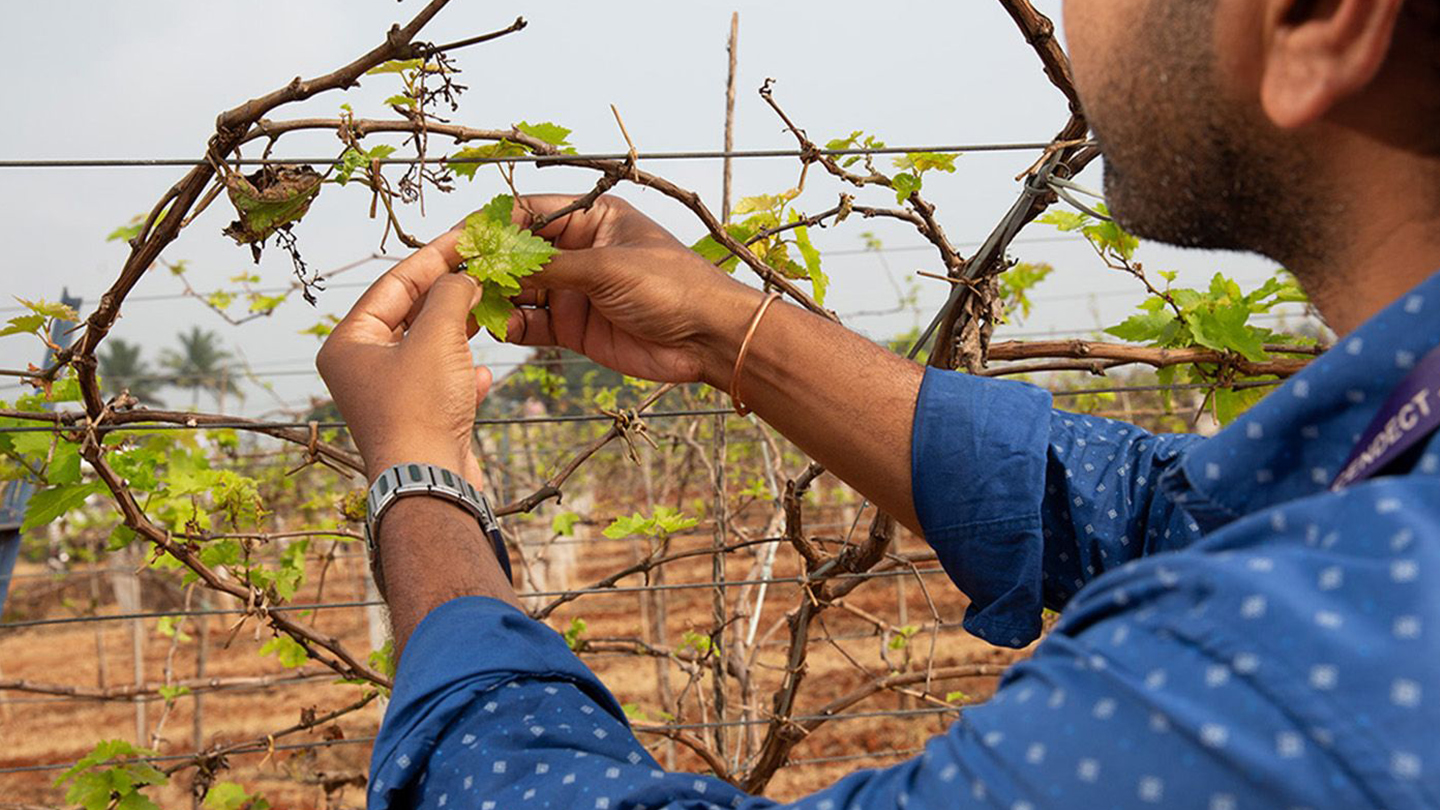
[498,254]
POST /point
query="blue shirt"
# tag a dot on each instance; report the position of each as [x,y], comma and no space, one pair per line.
[1234,636]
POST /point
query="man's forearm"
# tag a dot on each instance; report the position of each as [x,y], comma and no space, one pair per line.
[845,401]
[431,552]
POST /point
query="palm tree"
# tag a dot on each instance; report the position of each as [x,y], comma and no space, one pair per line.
[200,365]
[122,368]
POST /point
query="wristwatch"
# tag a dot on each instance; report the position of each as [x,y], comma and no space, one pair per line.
[417,478]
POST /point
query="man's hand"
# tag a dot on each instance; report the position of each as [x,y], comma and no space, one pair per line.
[399,365]
[628,295]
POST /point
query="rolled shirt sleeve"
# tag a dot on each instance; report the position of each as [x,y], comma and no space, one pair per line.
[1024,504]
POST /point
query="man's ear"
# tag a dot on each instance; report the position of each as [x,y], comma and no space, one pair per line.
[1318,53]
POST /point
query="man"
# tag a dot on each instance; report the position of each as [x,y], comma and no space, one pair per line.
[1235,634]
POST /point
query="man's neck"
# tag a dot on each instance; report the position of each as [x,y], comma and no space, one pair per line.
[1383,239]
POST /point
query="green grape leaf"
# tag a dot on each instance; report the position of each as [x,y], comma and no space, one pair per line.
[563,524]
[818,280]
[714,252]
[401,100]
[383,659]
[231,796]
[553,134]
[905,185]
[170,693]
[64,467]
[49,504]
[493,311]
[457,164]
[395,66]
[499,253]
[172,627]
[573,632]
[287,650]
[24,325]
[623,527]
[135,801]
[1142,328]
[62,312]
[91,791]
[919,162]
[1066,220]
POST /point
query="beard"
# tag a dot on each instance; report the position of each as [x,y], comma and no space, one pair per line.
[1186,165]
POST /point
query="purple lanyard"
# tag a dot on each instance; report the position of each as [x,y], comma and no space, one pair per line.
[1410,415]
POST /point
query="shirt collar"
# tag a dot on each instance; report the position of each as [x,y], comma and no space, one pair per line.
[1292,443]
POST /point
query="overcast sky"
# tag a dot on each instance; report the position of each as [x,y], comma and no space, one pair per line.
[146,79]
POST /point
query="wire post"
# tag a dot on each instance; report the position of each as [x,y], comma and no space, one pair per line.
[729,117]
[717,574]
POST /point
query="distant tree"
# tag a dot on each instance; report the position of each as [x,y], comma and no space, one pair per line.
[122,368]
[200,365]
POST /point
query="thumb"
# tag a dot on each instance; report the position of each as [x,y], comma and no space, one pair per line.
[447,305]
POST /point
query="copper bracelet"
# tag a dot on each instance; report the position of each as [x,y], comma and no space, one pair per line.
[745,350]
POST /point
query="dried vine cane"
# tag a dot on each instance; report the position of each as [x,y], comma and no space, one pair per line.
[740,407]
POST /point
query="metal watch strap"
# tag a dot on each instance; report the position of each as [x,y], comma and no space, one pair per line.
[418,478]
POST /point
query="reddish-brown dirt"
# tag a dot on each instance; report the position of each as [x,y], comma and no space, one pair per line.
[39,729]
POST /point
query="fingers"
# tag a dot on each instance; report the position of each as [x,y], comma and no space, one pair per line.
[574,231]
[447,306]
[483,380]
[382,311]
[567,270]
[530,327]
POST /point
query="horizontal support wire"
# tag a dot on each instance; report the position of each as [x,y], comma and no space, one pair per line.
[619,589]
[326,425]
[653,728]
[709,154]
[252,749]
[540,420]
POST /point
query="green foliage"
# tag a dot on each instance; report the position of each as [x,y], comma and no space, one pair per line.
[105,779]
[24,325]
[551,385]
[173,693]
[957,697]
[286,650]
[855,141]
[172,627]
[665,522]
[231,796]
[902,636]
[699,643]
[764,213]
[553,134]
[1217,318]
[395,66]
[1016,284]
[499,253]
[572,633]
[49,504]
[128,231]
[352,159]
[1106,235]
[563,524]
[383,659]
[499,149]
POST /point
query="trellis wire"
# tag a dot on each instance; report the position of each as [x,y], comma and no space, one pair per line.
[738,723]
[711,154]
[540,420]
[618,589]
